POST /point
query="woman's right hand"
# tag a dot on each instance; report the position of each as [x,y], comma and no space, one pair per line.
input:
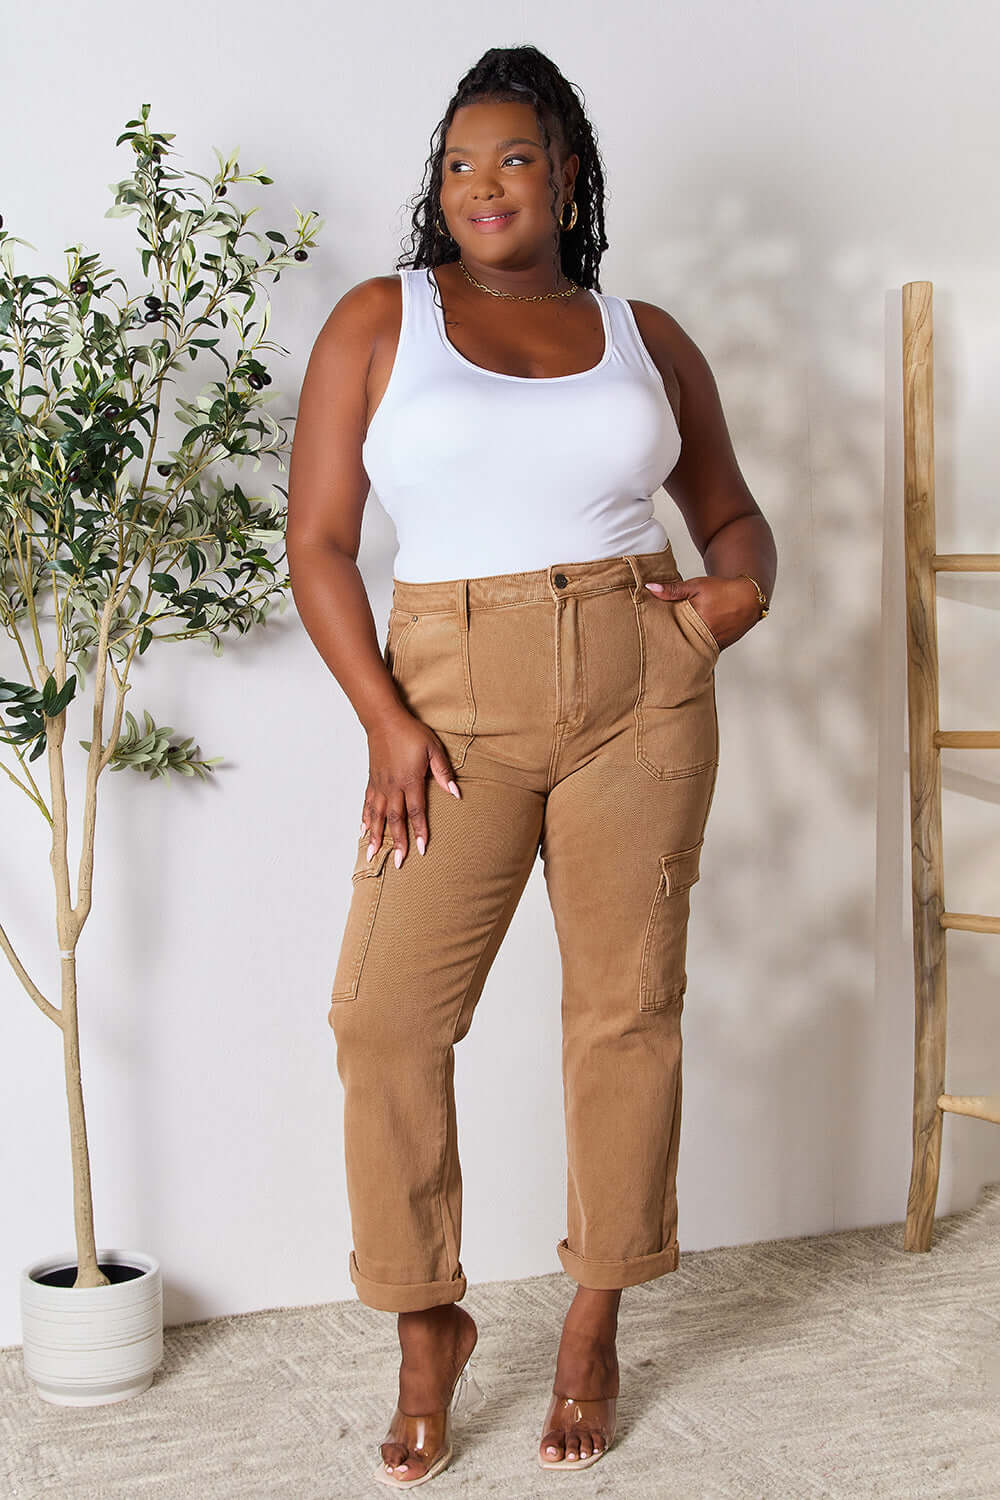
[400,749]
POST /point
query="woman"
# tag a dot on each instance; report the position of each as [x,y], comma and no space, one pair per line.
[550,669]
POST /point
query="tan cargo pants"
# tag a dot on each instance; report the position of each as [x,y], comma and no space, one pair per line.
[579,713]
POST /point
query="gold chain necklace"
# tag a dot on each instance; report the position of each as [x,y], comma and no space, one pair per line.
[513,296]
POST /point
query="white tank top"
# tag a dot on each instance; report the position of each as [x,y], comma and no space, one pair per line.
[486,473]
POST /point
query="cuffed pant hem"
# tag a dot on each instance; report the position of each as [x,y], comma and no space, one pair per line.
[609,1275]
[410,1296]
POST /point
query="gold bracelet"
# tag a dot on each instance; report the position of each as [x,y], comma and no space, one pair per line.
[760,593]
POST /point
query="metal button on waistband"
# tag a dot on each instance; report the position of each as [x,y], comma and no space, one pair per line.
[560,580]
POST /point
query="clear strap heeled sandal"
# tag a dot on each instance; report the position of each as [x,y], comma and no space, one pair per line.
[599,1413]
[430,1436]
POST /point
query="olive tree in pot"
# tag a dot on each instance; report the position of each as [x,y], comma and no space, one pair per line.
[109,545]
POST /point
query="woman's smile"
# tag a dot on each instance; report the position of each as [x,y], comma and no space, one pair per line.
[492,222]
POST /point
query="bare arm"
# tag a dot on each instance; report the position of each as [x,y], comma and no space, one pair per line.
[327,491]
[723,518]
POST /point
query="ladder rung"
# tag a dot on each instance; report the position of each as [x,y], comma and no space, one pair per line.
[970,921]
[983,1106]
[968,739]
[966,562]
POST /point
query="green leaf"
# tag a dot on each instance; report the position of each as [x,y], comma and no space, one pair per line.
[164,583]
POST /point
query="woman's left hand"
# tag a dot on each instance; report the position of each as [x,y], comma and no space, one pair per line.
[728,606]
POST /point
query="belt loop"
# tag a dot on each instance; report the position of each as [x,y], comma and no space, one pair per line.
[463,604]
[636,574]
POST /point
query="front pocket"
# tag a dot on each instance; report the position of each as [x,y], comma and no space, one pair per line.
[676,724]
[663,976]
[368,877]
[399,628]
[434,678]
[703,628]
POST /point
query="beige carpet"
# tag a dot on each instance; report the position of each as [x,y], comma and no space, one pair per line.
[832,1366]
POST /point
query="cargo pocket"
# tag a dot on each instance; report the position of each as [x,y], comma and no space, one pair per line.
[676,723]
[663,977]
[368,879]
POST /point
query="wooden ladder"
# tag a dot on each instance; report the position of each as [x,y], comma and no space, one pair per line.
[927,739]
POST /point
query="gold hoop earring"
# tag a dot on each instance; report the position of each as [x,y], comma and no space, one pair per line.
[573,216]
[440,228]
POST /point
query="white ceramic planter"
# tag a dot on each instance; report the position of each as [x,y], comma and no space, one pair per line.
[93,1345]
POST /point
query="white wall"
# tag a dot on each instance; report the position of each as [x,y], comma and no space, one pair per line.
[775,175]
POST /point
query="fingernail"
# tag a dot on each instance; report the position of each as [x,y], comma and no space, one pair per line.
[420,843]
[398,858]
[371,851]
[453,789]
[654,585]
[364,827]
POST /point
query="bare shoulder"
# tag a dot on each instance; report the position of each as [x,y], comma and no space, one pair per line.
[328,485]
[656,329]
[706,482]
[361,314]
[667,342]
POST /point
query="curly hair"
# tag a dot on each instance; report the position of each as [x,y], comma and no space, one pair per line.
[522,75]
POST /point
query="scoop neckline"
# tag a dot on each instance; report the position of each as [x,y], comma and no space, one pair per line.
[524,379]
